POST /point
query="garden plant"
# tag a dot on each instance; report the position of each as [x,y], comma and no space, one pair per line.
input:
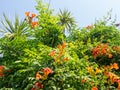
[38,55]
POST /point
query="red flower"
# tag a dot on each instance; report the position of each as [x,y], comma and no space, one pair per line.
[110,55]
[100,50]
[66,59]
[33,15]
[83,81]
[94,88]
[115,66]
[114,79]
[47,71]
[1,71]
[1,67]
[89,69]
[104,51]
[39,85]
[95,52]
[118,81]
[97,70]
[33,24]
[38,76]
[59,47]
[27,14]
[33,89]
[52,54]
[64,45]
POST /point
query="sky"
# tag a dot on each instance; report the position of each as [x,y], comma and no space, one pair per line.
[84,11]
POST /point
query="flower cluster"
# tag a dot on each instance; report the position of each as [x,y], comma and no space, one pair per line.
[101,50]
[28,15]
[106,71]
[93,71]
[44,74]
[30,19]
[112,78]
[58,56]
[46,71]
[111,66]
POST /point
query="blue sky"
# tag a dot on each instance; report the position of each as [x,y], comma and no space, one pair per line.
[84,11]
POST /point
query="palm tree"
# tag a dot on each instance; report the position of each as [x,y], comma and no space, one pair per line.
[13,29]
[66,20]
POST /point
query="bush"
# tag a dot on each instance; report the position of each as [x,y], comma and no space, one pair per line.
[88,59]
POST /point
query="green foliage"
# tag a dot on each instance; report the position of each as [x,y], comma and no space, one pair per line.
[23,70]
[49,31]
[12,48]
[90,57]
[105,34]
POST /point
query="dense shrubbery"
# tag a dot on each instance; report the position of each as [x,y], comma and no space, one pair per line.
[43,58]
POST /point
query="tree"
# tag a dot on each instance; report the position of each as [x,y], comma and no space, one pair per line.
[49,32]
[66,20]
[11,30]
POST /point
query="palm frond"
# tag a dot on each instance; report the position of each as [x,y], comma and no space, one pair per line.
[66,20]
[10,25]
[16,22]
[23,27]
[6,28]
[17,28]
[2,30]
